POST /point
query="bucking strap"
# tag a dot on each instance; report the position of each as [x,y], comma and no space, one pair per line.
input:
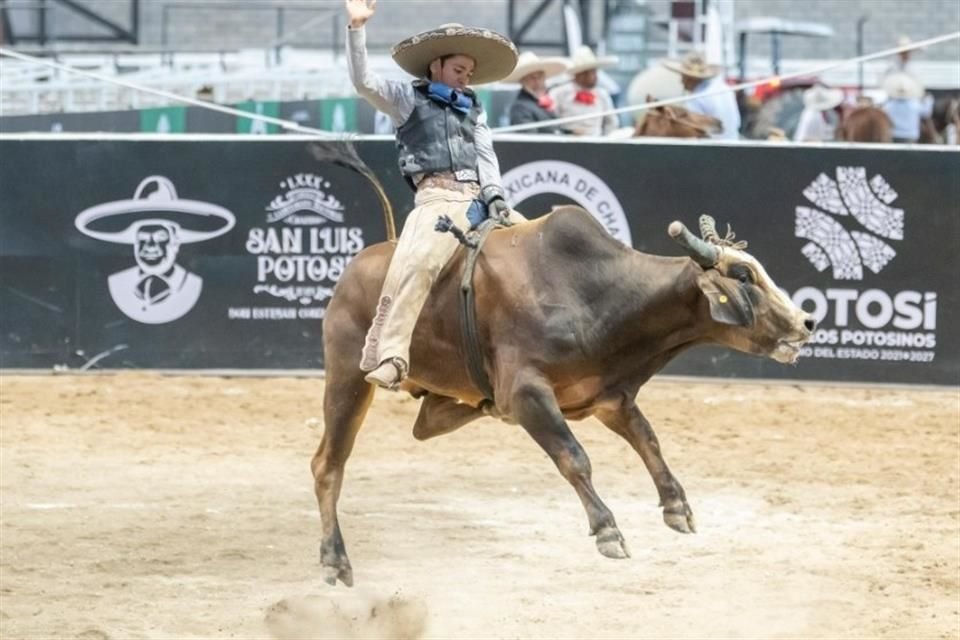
[468,313]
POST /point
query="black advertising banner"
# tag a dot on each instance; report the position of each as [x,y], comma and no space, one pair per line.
[215,254]
[173,254]
[864,237]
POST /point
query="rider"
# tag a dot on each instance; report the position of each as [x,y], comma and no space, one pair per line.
[708,88]
[446,155]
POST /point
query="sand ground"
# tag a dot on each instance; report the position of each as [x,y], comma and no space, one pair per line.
[146,506]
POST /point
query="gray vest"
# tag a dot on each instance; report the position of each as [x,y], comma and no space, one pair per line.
[436,137]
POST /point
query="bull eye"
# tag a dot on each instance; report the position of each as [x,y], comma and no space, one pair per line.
[742,273]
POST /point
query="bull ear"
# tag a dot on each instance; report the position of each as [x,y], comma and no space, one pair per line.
[729,303]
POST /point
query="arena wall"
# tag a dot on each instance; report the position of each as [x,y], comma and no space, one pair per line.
[862,236]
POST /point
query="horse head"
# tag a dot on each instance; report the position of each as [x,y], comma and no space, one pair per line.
[672,121]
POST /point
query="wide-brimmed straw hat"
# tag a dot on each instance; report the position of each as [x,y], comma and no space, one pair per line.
[584,59]
[529,62]
[494,54]
[154,201]
[821,98]
[694,65]
[902,85]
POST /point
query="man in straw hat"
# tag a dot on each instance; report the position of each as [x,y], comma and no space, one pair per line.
[584,96]
[905,106]
[902,64]
[817,120]
[533,103]
[446,155]
[701,79]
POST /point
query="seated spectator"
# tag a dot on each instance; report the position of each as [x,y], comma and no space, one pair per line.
[818,121]
[533,103]
[700,79]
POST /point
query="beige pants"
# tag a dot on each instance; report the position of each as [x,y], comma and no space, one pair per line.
[420,255]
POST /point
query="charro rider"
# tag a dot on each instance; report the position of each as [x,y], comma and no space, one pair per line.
[446,154]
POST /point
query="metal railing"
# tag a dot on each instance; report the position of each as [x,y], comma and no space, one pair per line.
[281,34]
[43,10]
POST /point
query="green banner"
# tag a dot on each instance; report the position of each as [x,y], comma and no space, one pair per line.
[258,127]
[164,120]
[486,99]
[338,114]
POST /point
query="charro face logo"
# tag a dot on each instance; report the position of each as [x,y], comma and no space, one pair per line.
[156,223]
[849,197]
[574,182]
[302,251]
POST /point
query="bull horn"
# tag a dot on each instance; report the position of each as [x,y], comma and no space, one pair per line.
[703,253]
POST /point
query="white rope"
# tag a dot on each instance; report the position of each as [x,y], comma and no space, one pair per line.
[293,126]
[210,106]
[813,71]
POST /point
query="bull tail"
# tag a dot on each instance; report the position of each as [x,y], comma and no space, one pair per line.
[342,153]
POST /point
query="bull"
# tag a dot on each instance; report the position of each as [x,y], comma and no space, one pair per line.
[572,323]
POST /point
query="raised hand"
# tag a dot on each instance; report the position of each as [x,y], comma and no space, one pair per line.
[360,11]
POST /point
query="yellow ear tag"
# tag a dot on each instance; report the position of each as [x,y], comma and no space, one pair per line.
[723,298]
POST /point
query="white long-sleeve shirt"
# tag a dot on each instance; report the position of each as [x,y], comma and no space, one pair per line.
[814,127]
[396,99]
[723,106]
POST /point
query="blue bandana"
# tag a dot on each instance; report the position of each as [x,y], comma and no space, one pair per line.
[446,95]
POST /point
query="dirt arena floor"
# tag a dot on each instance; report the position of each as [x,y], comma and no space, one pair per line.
[149,506]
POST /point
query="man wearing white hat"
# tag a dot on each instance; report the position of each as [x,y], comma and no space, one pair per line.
[905,106]
[902,62]
[533,103]
[701,79]
[446,155]
[816,123]
[583,96]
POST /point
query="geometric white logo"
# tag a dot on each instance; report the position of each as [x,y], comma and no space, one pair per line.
[850,196]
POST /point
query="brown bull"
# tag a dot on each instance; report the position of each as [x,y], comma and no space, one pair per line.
[572,323]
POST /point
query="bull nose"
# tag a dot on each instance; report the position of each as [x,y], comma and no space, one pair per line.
[810,324]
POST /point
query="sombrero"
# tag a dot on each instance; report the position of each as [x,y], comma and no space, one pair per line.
[584,59]
[529,62]
[821,98]
[494,54]
[156,201]
[694,65]
[902,85]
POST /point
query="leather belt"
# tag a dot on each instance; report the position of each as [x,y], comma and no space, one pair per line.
[449,182]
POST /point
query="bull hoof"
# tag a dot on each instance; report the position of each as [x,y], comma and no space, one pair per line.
[332,574]
[680,518]
[336,567]
[611,543]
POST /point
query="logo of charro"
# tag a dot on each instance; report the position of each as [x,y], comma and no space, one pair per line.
[851,196]
[156,223]
[571,181]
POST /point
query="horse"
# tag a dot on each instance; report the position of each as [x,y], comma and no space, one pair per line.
[672,121]
[866,124]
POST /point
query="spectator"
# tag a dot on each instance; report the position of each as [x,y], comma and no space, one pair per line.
[902,62]
[533,103]
[818,121]
[701,79]
[583,96]
[905,106]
